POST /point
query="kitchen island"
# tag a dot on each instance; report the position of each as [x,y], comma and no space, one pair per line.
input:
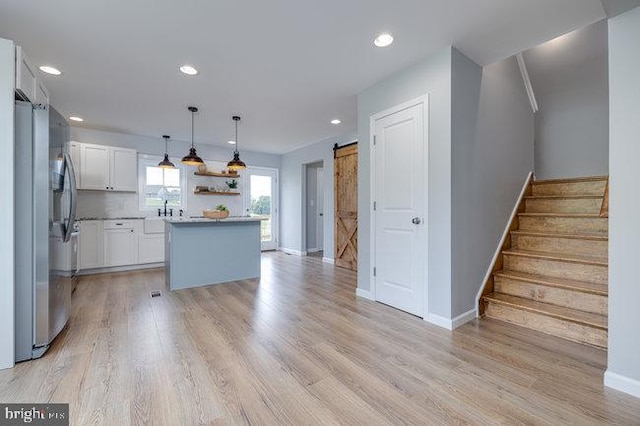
[200,252]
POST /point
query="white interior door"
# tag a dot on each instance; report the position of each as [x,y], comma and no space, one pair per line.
[262,201]
[400,232]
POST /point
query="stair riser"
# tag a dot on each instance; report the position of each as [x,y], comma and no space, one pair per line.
[560,245]
[563,205]
[564,224]
[556,268]
[595,188]
[566,329]
[587,302]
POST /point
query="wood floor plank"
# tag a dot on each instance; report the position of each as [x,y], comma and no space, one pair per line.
[298,347]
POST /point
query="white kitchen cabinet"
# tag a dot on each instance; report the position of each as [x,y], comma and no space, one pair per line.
[105,168]
[26,76]
[74,153]
[124,169]
[120,243]
[90,245]
[150,248]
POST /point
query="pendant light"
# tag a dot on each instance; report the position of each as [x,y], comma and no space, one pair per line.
[192,159]
[236,163]
[166,164]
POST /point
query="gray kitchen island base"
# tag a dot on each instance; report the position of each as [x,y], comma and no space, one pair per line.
[202,252]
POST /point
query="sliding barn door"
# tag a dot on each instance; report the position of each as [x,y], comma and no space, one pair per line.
[346,206]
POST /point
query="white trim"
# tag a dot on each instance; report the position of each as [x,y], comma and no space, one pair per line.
[365,294]
[439,321]
[329,260]
[507,229]
[463,318]
[313,250]
[527,82]
[424,100]
[246,201]
[292,251]
[622,383]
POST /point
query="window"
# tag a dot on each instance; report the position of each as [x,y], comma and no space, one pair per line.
[158,185]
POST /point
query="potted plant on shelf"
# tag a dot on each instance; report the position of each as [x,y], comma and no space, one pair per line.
[221,212]
[232,184]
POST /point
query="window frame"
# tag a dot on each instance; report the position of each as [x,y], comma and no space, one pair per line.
[144,161]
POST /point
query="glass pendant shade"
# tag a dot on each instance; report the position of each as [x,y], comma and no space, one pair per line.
[166,163]
[192,158]
[236,163]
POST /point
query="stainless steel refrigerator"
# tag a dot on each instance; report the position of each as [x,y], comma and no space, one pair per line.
[45,208]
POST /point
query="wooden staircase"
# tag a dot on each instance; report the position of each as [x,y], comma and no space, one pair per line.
[552,272]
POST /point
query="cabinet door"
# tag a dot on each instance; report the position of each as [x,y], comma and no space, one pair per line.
[26,82]
[151,248]
[119,247]
[124,169]
[90,245]
[94,167]
[74,152]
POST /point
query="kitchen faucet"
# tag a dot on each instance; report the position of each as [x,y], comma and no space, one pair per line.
[161,213]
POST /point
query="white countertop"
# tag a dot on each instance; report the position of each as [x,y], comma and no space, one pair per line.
[177,220]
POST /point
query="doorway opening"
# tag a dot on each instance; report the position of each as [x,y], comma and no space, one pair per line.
[261,200]
[314,209]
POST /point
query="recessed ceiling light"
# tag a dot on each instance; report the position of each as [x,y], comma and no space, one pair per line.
[50,70]
[189,70]
[232,142]
[383,40]
[336,121]
[74,118]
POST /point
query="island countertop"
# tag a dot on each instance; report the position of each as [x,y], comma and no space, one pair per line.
[185,220]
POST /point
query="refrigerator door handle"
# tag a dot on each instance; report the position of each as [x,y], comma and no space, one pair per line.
[73,197]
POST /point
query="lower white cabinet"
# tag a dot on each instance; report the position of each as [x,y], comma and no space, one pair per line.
[111,243]
[150,248]
[90,245]
[120,243]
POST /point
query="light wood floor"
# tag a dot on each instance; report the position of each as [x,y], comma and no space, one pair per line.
[297,347]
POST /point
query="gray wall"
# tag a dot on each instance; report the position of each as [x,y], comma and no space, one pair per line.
[569,77]
[492,154]
[432,76]
[7,78]
[293,188]
[624,226]
[113,204]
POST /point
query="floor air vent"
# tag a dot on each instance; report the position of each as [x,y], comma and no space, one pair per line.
[156,293]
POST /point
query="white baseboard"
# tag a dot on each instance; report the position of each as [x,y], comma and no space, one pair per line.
[451,324]
[328,260]
[365,294]
[313,250]
[120,269]
[292,251]
[622,383]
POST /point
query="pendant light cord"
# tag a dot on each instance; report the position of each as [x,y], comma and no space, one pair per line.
[192,114]
[236,148]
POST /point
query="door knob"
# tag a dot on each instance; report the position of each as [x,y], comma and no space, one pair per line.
[416,221]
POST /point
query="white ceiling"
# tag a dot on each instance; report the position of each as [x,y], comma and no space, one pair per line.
[287,66]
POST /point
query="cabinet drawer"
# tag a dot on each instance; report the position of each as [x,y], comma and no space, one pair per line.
[119,224]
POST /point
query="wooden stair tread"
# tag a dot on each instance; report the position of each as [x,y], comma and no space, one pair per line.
[567,314]
[582,286]
[576,215]
[563,197]
[596,236]
[570,180]
[573,258]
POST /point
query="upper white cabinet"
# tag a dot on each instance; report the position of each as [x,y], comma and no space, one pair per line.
[26,77]
[106,168]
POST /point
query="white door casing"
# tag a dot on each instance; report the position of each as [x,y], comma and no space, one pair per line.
[320,209]
[269,237]
[399,219]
